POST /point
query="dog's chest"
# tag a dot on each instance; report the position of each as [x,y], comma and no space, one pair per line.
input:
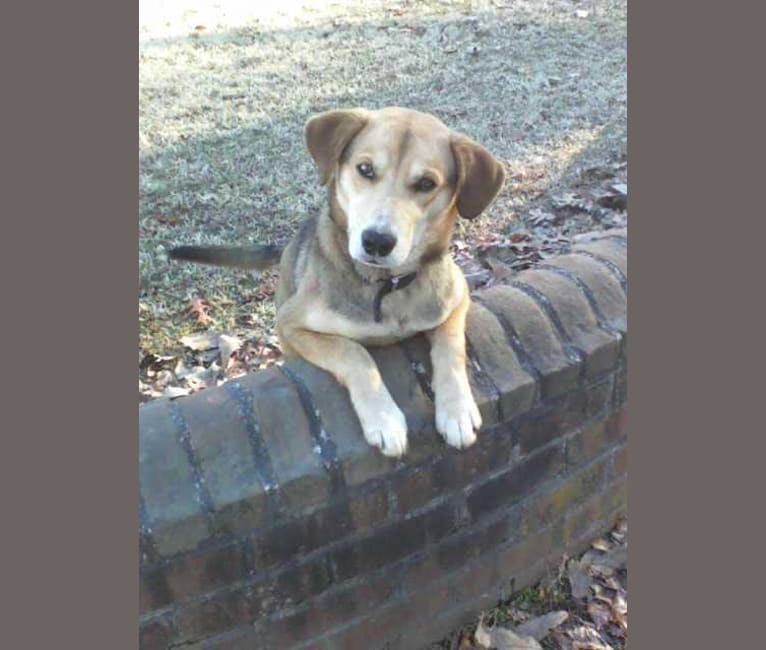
[401,317]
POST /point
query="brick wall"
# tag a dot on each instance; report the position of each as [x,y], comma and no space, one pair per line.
[266,521]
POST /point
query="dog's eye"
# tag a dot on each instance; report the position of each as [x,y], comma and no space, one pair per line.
[424,185]
[366,170]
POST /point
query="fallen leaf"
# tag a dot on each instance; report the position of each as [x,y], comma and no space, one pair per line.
[201,341]
[620,188]
[176,391]
[166,219]
[599,613]
[613,201]
[616,558]
[538,628]
[586,638]
[228,345]
[600,544]
[502,638]
[578,579]
[200,310]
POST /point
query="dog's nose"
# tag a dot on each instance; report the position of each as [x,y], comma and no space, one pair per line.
[377,243]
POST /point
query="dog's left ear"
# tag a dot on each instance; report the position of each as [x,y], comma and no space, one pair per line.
[479,176]
[328,134]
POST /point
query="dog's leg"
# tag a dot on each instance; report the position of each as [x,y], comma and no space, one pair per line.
[382,420]
[456,412]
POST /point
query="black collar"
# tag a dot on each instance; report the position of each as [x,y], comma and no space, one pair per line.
[391,284]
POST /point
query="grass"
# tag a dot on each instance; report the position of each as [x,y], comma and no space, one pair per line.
[222,108]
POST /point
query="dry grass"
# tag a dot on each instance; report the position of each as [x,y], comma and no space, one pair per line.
[541,83]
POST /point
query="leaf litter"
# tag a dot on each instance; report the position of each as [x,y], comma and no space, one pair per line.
[583,605]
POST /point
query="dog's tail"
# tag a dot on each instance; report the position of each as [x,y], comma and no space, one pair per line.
[257,257]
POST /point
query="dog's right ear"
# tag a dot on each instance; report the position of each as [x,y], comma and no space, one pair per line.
[328,134]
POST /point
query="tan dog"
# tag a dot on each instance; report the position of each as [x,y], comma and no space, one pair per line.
[374,267]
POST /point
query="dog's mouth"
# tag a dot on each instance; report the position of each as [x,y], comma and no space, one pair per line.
[372,261]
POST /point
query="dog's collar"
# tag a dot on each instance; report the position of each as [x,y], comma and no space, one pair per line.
[390,284]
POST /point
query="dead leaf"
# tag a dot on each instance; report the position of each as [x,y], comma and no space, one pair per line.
[616,558]
[176,391]
[538,628]
[466,643]
[600,544]
[599,613]
[578,579]
[228,345]
[586,638]
[200,310]
[201,341]
[166,219]
[620,188]
[613,201]
[501,638]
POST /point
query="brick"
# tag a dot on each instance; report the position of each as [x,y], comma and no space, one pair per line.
[289,540]
[382,629]
[600,347]
[536,336]
[241,638]
[609,250]
[507,488]
[621,386]
[384,546]
[587,444]
[605,289]
[616,496]
[154,591]
[242,605]
[155,633]
[220,438]
[418,352]
[456,551]
[489,344]
[191,574]
[563,416]
[415,486]
[570,492]
[302,479]
[597,397]
[453,469]
[403,384]
[618,424]
[167,483]
[483,389]
[218,613]
[330,609]
[361,462]
[445,518]
[619,466]
[550,423]
[299,582]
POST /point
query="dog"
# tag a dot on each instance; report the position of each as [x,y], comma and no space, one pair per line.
[374,267]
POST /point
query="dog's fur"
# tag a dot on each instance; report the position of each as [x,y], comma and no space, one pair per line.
[329,282]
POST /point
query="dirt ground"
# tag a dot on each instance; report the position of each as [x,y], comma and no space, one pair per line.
[224,90]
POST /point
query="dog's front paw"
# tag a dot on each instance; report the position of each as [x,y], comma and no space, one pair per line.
[456,418]
[385,427]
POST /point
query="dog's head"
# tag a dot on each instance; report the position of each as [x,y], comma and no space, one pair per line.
[399,179]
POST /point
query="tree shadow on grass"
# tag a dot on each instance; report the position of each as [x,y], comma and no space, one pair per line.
[222,116]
